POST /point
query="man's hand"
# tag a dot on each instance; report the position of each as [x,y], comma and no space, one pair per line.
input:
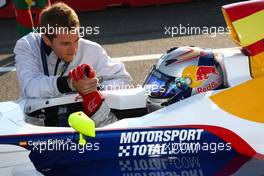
[83,79]
[85,85]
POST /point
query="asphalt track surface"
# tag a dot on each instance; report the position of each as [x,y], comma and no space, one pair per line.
[125,31]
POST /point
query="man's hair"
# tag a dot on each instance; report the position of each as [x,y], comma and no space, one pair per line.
[58,16]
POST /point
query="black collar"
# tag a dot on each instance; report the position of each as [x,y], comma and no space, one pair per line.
[47,49]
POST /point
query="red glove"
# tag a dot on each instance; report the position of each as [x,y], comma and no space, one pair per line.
[93,100]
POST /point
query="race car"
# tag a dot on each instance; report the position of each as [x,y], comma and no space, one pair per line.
[227,120]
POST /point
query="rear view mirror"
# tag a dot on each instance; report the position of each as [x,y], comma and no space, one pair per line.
[82,124]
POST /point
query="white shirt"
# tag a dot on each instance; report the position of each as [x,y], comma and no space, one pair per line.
[30,71]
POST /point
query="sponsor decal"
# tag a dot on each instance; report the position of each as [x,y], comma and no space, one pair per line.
[141,143]
[166,142]
[23,143]
[91,105]
[78,98]
[203,72]
[210,86]
[160,136]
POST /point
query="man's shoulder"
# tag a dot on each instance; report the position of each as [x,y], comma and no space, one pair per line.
[29,39]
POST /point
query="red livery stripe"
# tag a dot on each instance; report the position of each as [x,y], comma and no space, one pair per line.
[243,9]
[255,48]
[237,143]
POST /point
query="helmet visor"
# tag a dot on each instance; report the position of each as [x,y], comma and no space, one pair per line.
[159,85]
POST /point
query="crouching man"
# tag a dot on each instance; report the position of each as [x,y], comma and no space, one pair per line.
[45,62]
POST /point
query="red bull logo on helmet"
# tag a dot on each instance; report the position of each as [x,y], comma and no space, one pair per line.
[210,86]
[203,72]
[198,74]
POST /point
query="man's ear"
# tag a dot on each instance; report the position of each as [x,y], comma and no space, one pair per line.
[46,39]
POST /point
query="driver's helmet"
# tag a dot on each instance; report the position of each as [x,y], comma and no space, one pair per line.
[181,73]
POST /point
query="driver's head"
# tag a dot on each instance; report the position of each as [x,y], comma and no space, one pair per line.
[60,30]
[181,73]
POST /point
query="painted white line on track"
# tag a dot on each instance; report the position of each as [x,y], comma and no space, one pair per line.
[138,58]
[7,69]
[122,59]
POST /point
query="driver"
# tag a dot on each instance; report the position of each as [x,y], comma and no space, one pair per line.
[181,73]
[44,60]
